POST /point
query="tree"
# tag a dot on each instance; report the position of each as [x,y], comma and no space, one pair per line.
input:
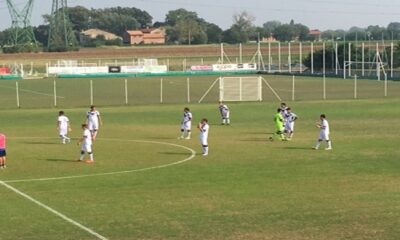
[113,22]
[186,27]
[285,32]
[393,30]
[270,27]
[234,35]
[241,30]
[42,34]
[174,16]
[190,31]
[80,18]
[302,32]
[214,33]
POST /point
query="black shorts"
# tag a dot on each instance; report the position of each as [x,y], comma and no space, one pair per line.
[3,153]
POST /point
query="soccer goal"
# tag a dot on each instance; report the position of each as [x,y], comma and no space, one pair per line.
[240,89]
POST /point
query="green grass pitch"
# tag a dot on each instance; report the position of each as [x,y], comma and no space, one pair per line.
[247,188]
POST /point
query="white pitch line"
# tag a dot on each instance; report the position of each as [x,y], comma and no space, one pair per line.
[34,92]
[69,220]
[193,154]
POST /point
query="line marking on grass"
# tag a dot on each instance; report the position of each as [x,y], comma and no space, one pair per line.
[31,91]
[69,220]
[193,154]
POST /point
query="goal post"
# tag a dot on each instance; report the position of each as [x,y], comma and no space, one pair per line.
[240,89]
[236,89]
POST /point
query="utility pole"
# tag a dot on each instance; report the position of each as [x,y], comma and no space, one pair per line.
[22,36]
[61,36]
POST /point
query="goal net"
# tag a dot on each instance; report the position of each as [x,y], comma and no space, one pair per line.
[240,89]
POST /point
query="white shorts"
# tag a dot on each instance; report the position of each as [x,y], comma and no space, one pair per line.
[63,131]
[225,115]
[289,126]
[324,136]
[204,141]
[86,148]
[187,125]
[93,126]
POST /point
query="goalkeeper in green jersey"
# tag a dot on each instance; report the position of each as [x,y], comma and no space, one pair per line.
[278,120]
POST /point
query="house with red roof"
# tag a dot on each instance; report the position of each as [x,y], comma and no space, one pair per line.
[145,36]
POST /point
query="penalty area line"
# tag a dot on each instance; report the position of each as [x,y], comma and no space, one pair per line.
[67,219]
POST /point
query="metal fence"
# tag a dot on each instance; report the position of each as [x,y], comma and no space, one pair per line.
[69,93]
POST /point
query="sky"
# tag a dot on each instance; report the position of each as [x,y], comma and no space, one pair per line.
[316,14]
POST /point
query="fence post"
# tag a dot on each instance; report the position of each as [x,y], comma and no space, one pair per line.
[55,92]
[386,86]
[161,91]
[355,86]
[324,87]
[17,92]
[188,89]
[293,87]
[126,92]
[91,92]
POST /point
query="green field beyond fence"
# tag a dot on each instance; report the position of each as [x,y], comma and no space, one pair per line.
[68,93]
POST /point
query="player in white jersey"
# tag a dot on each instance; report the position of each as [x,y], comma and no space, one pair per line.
[283,110]
[225,113]
[63,127]
[290,117]
[204,129]
[93,120]
[186,124]
[86,144]
[323,125]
